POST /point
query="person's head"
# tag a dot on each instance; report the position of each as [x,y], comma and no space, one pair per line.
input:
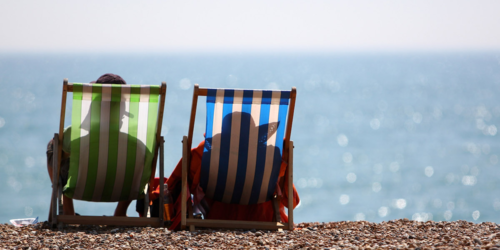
[109,78]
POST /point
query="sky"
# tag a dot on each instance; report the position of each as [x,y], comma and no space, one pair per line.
[243,25]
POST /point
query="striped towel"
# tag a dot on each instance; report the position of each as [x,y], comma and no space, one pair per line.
[112,141]
[243,144]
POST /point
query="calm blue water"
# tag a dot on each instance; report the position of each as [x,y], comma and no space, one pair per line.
[377,136]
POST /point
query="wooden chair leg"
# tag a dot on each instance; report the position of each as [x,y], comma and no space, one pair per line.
[190,214]
[184,182]
[276,208]
[49,219]
[290,186]
[161,184]
[55,182]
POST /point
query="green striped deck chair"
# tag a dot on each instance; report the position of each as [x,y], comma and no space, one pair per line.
[247,133]
[115,140]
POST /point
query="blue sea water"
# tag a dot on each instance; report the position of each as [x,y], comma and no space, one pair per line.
[377,136]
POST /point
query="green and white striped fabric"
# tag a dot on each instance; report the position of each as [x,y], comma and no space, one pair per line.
[113,138]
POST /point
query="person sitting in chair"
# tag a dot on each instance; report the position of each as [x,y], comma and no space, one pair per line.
[212,209]
[68,208]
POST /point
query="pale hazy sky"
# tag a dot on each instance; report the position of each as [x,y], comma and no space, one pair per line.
[242,25]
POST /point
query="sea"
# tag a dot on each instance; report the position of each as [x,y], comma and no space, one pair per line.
[378,136]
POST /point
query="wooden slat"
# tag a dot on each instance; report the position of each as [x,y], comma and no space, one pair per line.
[276,208]
[290,187]
[61,128]
[202,91]
[162,174]
[161,108]
[53,201]
[289,122]
[237,224]
[192,118]
[69,86]
[184,181]
[111,220]
[163,92]
[190,214]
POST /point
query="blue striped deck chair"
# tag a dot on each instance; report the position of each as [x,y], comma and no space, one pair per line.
[247,132]
[115,138]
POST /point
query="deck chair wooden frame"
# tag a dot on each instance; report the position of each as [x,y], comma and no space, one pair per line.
[56,216]
[187,218]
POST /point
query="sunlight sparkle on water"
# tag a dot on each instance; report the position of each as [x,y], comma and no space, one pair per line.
[342,140]
[333,86]
[491,130]
[377,168]
[185,83]
[474,149]
[429,171]
[447,215]
[231,80]
[475,215]
[14,184]
[399,203]
[437,203]
[383,211]
[450,205]
[344,199]
[469,180]
[417,117]
[376,187]
[375,124]
[394,167]
[309,183]
[382,105]
[351,177]
[496,205]
[321,121]
[273,85]
[437,113]
[359,216]
[347,157]
[422,217]
[29,161]
[28,211]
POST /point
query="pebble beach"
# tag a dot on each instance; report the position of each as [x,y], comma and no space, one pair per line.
[396,234]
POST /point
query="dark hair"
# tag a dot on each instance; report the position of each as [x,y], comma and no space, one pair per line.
[110,79]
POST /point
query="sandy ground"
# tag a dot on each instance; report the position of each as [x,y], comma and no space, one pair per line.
[397,234]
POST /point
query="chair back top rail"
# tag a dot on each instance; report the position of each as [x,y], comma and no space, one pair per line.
[68,86]
[197,91]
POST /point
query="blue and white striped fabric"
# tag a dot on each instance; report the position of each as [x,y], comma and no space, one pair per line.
[243,144]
